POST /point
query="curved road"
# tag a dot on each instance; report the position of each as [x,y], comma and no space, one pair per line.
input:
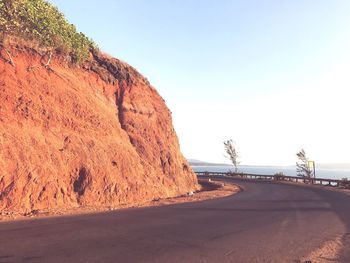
[267,222]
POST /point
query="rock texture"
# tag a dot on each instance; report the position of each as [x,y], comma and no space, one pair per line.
[84,136]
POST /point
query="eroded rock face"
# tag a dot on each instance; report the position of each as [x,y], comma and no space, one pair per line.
[98,135]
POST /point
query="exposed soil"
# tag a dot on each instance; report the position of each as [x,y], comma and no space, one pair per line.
[91,135]
[328,252]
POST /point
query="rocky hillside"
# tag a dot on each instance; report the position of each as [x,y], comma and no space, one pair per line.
[91,134]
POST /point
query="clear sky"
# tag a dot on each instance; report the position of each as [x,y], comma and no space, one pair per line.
[272,75]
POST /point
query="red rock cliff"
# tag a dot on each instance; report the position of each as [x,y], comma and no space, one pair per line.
[92,135]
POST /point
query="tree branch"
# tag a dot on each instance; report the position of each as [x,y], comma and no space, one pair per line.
[47,65]
[48,62]
[10,57]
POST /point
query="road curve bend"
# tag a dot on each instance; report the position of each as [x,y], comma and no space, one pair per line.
[267,222]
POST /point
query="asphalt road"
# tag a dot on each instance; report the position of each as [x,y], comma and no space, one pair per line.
[267,222]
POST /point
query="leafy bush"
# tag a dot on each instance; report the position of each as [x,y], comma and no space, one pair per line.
[231,173]
[279,176]
[40,21]
[345,183]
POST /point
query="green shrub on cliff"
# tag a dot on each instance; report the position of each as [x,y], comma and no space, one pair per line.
[37,20]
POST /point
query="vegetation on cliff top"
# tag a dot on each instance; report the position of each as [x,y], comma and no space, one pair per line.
[39,21]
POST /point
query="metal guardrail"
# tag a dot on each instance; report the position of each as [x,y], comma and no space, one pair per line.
[297,179]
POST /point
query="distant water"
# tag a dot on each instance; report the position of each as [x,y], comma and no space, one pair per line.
[270,170]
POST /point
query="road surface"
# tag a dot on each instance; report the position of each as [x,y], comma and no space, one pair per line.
[267,222]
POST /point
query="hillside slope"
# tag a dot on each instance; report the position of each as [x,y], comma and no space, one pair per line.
[74,136]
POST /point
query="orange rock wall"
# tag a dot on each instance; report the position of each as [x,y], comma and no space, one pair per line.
[84,136]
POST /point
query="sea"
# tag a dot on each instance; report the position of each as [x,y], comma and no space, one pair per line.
[271,170]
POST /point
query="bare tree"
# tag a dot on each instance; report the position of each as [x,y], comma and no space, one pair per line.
[303,168]
[232,153]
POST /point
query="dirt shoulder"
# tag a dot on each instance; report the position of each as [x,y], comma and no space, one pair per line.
[328,252]
[210,189]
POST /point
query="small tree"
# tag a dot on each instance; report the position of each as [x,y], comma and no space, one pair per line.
[303,168]
[232,153]
[345,183]
[279,176]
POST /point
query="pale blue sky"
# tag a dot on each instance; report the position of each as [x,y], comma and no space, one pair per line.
[236,69]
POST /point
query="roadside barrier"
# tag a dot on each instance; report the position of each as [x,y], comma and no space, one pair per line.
[279,177]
